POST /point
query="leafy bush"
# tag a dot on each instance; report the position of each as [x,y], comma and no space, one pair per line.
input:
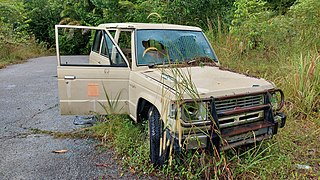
[16,44]
[74,42]
[42,16]
[250,22]
[13,25]
[306,19]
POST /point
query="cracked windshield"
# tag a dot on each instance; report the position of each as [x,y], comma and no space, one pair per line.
[171,46]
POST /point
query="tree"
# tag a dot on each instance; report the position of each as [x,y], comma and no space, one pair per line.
[199,13]
[13,22]
[43,16]
[280,6]
[250,21]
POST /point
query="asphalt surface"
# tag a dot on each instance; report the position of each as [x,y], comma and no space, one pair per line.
[29,100]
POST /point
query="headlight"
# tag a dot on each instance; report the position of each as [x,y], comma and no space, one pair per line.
[276,99]
[194,111]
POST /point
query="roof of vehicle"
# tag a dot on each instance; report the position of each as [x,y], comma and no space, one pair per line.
[148,26]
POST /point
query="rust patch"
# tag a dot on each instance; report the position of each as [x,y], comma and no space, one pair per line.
[245,128]
[242,110]
[93,89]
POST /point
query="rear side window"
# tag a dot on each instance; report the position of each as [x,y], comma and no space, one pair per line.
[97,42]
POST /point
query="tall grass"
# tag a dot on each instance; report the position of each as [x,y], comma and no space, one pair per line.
[296,72]
[307,83]
[14,53]
[293,67]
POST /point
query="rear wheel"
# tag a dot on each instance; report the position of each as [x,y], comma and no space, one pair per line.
[155,135]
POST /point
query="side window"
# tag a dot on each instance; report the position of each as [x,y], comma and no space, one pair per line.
[87,47]
[75,45]
[114,55]
[97,41]
[125,44]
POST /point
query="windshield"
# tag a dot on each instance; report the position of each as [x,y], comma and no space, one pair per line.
[171,46]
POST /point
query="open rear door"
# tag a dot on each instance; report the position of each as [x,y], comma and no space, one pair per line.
[92,71]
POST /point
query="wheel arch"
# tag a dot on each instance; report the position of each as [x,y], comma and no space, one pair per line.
[142,108]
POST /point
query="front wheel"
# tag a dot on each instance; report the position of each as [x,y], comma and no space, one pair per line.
[155,135]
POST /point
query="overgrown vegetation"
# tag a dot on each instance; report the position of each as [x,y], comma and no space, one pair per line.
[276,40]
[16,44]
[285,50]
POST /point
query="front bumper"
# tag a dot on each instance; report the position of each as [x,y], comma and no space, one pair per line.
[230,137]
[249,125]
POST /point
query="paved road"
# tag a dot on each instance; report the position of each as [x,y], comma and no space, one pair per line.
[29,99]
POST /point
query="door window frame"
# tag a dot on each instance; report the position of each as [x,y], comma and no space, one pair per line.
[104,32]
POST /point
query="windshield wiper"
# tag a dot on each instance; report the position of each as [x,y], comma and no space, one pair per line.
[157,65]
[199,60]
[151,65]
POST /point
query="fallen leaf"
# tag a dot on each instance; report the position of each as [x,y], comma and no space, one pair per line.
[132,170]
[60,151]
[103,165]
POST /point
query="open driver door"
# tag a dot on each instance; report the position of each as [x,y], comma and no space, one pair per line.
[92,80]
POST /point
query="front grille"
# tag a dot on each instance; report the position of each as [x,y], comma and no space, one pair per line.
[240,102]
[244,118]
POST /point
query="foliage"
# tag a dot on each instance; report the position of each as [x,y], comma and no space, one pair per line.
[13,22]
[280,7]
[16,44]
[250,22]
[255,26]
[40,16]
[83,12]
[111,106]
[200,13]
[305,16]
[43,15]
[74,41]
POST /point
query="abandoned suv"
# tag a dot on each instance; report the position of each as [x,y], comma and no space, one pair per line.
[168,75]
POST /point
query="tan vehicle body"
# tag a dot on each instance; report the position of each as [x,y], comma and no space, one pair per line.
[82,90]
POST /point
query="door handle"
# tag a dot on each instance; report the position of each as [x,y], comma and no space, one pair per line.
[69,77]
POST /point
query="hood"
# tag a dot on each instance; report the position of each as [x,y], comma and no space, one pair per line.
[209,81]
